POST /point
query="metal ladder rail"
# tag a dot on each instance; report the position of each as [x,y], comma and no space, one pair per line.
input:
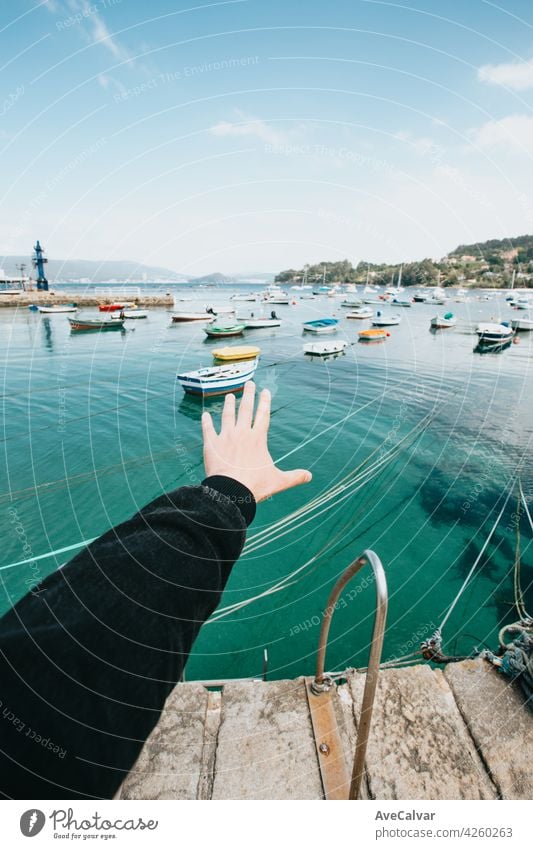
[322,683]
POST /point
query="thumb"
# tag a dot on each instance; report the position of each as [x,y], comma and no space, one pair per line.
[295,478]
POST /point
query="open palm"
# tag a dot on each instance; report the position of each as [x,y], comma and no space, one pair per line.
[240,450]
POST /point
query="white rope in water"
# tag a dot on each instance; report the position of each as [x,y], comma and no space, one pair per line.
[350,481]
[478,558]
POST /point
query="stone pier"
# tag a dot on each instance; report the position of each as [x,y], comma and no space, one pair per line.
[459,733]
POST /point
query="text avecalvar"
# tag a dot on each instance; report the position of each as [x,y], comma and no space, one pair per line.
[404,815]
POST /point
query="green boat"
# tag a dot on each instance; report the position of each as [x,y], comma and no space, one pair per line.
[229,330]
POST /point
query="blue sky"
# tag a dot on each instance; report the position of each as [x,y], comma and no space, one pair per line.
[260,135]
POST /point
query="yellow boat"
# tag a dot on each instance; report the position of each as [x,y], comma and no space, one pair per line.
[233,353]
[375,334]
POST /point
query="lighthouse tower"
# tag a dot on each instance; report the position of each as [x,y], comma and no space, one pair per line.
[38,261]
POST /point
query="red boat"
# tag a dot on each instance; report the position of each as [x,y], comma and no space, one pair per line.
[112,307]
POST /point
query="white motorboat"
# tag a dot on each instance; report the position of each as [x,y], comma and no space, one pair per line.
[350,301]
[381,320]
[522,304]
[250,296]
[401,302]
[494,332]
[522,323]
[60,308]
[362,313]
[130,314]
[435,300]
[440,322]
[251,323]
[192,316]
[321,349]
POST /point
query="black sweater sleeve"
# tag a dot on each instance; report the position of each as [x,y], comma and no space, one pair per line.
[88,657]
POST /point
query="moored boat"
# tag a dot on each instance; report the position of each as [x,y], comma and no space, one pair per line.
[130,314]
[351,302]
[321,349]
[217,330]
[440,322]
[401,302]
[381,320]
[192,316]
[373,334]
[321,325]
[59,308]
[217,380]
[362,313]
[522,323]
[493,332]
[96,323]
[254,323]
[232,353]
[115,307]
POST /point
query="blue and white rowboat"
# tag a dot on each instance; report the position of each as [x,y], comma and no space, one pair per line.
[321,325]
[218,380]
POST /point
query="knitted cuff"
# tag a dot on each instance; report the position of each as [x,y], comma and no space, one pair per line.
[237,492]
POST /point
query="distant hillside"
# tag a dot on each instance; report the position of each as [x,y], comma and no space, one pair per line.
[97,272]
[216,277]
[481,249]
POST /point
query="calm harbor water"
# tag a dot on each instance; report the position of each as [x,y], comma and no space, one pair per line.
[95,426]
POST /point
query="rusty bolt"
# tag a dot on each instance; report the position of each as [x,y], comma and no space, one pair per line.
[323,749]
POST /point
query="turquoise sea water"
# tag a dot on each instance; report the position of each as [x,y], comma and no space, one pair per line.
[95,426]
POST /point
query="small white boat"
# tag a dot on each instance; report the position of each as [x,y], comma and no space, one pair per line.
[522,323]
[252,323]
[277,299]
[435,300]
[250,296]
[362,313]
[351,301]
[307,296]
[130,314]
[58,308]
[321,325]
[381,320]
[217,310]
[217,380]
[192,316]
[321,349]
[401,302]
[420,297]
[494,332]
[522,304]
[440,322]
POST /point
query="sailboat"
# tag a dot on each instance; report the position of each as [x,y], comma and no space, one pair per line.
[398,289]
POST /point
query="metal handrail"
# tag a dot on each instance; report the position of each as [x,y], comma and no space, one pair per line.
[321,682]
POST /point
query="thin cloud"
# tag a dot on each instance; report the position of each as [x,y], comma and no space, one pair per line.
[514,131]
[515,75]
[248,125]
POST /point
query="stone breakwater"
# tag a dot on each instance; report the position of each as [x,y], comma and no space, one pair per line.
[46,299]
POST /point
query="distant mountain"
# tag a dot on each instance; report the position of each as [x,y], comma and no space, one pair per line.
[58,270]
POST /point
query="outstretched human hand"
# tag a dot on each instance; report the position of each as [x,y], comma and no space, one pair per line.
[240,450]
